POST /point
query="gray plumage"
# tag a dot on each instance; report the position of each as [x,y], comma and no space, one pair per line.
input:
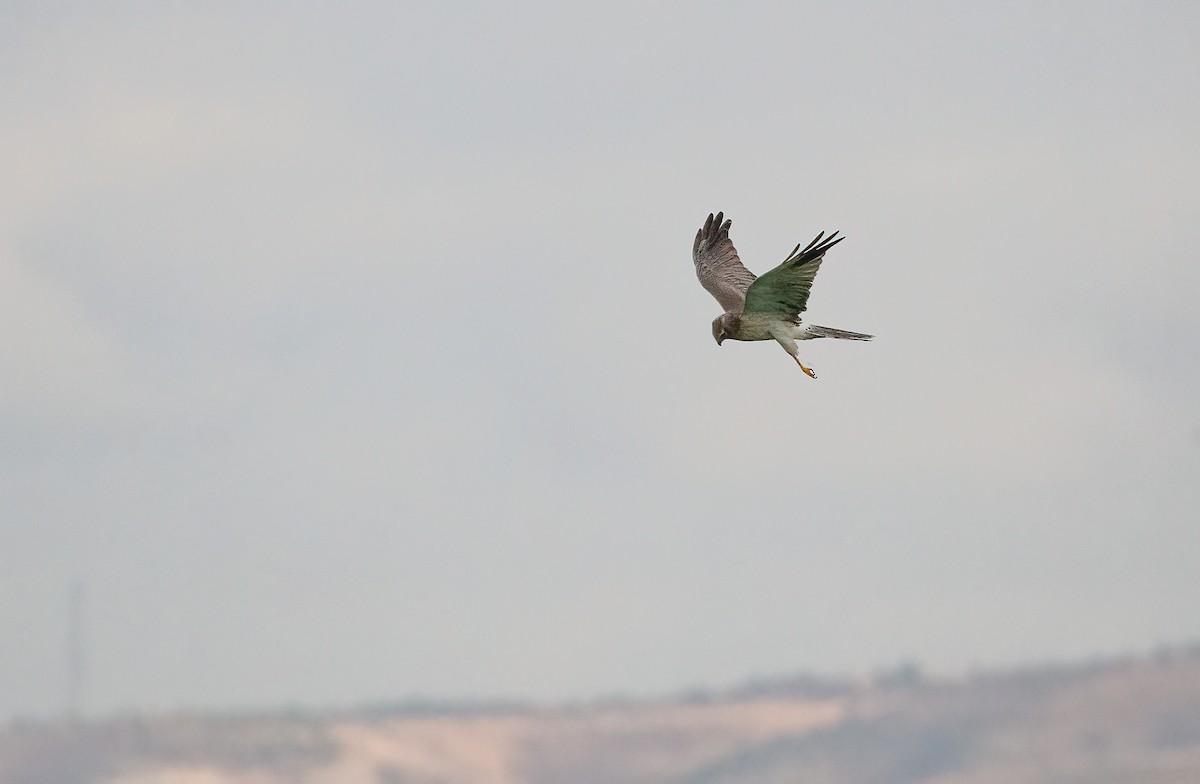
[766,308]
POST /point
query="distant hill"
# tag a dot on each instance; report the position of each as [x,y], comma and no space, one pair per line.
[1134,721]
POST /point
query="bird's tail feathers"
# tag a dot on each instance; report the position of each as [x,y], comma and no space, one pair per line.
[814,331]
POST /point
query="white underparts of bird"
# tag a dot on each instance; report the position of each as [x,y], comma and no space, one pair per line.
[766,308]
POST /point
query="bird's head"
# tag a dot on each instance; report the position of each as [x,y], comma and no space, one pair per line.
[722,328]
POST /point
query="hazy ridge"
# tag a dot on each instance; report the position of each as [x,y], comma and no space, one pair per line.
[1108,722]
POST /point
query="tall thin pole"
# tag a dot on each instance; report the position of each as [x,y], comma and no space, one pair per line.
[75,657]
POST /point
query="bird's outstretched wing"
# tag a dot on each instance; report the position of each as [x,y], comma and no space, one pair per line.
[783,292]
[717,264]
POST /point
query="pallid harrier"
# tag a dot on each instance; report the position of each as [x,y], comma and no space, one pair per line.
[766,308]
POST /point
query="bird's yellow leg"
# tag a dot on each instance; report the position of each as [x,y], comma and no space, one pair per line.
[811,373]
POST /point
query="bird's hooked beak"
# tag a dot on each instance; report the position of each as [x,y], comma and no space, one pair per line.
[720,338]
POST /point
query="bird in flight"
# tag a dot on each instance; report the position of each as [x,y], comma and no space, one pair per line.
[766,308]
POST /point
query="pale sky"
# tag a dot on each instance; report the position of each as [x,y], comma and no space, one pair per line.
[353,351]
